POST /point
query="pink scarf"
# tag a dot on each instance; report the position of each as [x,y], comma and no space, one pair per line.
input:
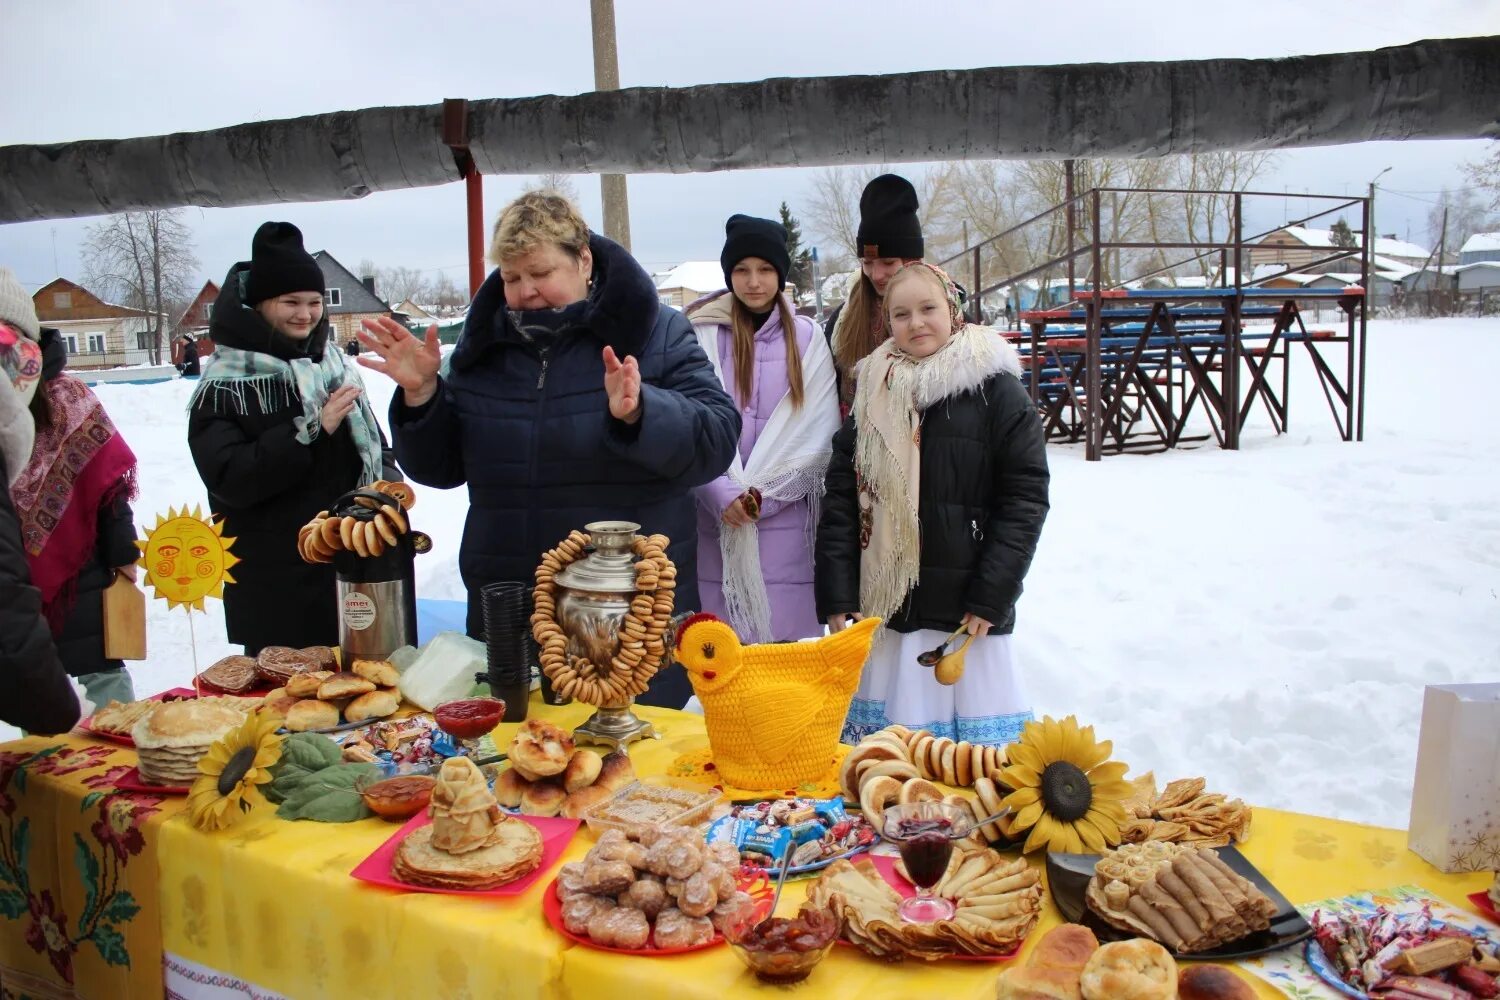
[79,466]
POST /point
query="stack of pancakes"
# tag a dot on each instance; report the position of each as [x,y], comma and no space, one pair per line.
[470,843]
[175,736]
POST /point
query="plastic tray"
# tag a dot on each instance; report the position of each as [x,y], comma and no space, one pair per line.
[694,805]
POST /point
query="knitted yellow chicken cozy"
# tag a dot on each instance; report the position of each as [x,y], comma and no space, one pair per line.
[773,711]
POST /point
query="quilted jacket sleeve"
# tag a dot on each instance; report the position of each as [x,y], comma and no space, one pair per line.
[689,428]
[426,438]
[34,690]
[836,556]
[1020,502]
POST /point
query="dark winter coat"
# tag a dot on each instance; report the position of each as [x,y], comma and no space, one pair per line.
[190,366]
[80,642]
[265,484]
[981,504]
[528,428]
[34,689]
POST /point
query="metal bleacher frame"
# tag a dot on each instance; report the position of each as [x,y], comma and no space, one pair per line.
[1127,368]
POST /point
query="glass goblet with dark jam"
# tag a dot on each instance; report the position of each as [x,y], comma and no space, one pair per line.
[924,833]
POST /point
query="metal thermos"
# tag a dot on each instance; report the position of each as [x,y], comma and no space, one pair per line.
[377,595]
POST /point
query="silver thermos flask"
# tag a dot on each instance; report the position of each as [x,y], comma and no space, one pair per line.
[377,595]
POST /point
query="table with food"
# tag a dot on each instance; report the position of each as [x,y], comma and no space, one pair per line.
[325,823]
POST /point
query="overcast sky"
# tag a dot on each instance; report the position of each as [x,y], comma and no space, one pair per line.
[90,69]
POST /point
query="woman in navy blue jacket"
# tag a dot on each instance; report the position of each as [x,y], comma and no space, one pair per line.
[572,396]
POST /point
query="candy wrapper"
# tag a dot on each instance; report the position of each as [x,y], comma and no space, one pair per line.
[816,831]
[399,746]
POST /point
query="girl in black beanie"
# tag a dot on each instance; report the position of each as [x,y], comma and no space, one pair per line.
[890,236]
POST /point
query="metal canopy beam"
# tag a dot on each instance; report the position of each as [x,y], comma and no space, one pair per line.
[1438,89]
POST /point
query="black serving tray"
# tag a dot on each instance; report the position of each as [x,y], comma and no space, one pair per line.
[1068,878]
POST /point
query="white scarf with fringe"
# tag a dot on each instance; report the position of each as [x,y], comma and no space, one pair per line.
[894,390]
[787,464]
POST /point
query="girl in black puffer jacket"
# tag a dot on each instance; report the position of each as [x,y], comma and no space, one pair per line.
[935,500]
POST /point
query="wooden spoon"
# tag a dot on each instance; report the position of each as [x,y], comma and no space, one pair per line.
[951,667]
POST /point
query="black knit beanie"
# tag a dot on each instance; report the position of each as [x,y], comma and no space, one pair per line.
[279,265]
[888,223]
[746,236]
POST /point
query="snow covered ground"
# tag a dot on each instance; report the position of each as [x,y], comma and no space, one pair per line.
[1266,618]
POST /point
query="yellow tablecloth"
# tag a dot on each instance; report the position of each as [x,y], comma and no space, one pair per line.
[271,903]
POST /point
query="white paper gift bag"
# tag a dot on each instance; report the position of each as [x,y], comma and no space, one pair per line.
[1455,803]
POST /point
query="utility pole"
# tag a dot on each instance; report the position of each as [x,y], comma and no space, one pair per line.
[612,187]
[1438,282]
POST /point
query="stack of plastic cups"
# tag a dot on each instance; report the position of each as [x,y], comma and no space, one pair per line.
[507,633]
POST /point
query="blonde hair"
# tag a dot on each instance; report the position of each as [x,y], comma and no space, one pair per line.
[744,349]
[534,219]
[938,277]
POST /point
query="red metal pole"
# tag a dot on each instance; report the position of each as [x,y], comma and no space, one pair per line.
[474,189]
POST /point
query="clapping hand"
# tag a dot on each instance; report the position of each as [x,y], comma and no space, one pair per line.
[411,363]
[622,380]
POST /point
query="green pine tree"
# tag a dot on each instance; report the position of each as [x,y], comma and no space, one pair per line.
[801,272]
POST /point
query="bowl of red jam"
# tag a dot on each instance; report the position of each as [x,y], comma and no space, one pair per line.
[399,798]
[470,718]
[785,950]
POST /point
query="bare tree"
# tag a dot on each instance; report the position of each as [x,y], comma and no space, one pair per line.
[1466,215]
[445,294]
[1208,212]
[397,284]
[1484,173]
[144,259]
[832,209]
[557,183]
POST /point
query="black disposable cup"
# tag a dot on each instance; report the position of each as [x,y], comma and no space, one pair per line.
[507,632]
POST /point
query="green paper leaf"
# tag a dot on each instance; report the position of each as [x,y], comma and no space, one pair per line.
[88,870]
[302,755]
[120,908]
[12,904]
[90,800]
[111,945]
[329,796]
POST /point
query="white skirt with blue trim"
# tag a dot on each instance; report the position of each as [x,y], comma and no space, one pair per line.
[988,704]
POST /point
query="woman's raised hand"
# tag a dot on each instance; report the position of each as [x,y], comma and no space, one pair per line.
[622,380]
[340,402]
[411,363]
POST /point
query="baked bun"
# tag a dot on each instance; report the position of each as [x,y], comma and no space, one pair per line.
[279,701]
[583,800]
[1212,982]
[543,798]
[311,714]
[615,772]
[509,787]
[1033,983]
[540,750]
[382,672]
[582,770]
[372,705]
[343,686]
[1067,947]
[1130,970]
[306,685]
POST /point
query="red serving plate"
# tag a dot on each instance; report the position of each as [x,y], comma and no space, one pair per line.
[1482,903]
[887,868]
[126,741]
[556,833]
[757,885]
[131,781]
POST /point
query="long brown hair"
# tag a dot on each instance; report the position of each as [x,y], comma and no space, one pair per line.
[744,330]
[864,325]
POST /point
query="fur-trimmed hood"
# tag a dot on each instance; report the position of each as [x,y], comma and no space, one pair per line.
[620,312]
[966,362]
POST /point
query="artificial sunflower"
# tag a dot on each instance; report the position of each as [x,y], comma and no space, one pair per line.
[1063,787]
[231,770]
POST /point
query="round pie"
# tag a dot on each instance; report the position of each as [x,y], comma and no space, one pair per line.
[517,854]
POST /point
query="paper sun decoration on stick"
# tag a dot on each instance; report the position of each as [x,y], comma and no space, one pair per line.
[187,558]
